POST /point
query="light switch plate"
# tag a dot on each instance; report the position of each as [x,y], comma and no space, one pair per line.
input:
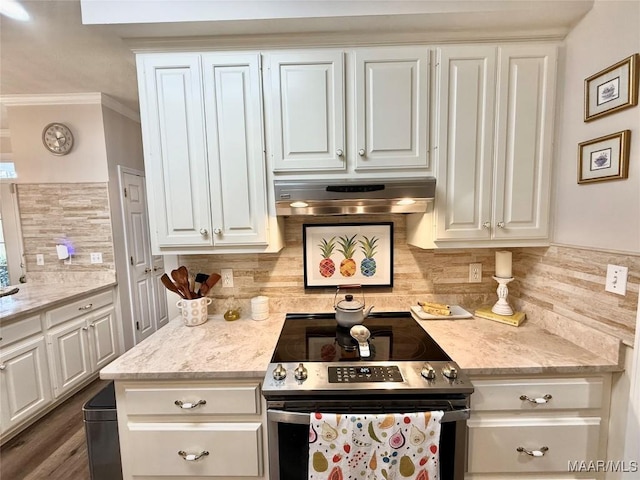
[96,257]
[39,259]
[616,281]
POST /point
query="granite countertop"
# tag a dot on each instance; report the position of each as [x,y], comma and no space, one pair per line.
[243,349]
[33,297]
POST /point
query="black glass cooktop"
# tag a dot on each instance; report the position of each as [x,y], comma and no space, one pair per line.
[395,336]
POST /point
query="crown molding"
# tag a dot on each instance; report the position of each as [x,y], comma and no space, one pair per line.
[94,98]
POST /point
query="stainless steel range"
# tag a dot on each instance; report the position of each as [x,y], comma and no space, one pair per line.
[318,366]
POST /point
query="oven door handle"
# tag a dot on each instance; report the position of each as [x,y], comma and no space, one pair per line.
[298,418]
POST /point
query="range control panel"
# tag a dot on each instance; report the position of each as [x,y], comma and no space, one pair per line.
[362,374]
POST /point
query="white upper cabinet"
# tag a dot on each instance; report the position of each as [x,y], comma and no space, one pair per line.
[233,113]
[391,98]
[308,110]
[466,127]
[204,155]
[351,112]
[524,141]
[174,144]
[495,126]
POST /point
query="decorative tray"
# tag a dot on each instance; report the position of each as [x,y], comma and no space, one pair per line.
[456,313]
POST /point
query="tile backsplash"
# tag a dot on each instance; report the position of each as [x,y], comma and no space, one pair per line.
[440,275]
[561,288]
[76,213]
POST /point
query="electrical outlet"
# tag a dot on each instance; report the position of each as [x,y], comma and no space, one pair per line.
[96,257]
[475,272]
[39,259]
[616,281]
[227,277]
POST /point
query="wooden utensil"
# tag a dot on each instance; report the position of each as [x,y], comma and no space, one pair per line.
[182,281]
[210,282]
[166,281]
[200,279]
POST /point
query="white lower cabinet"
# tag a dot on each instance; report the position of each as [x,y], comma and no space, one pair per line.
[81,347]
[47,356]
[191,429]
[537,427]
[25,388]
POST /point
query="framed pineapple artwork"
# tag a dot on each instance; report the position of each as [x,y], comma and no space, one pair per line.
[347,254]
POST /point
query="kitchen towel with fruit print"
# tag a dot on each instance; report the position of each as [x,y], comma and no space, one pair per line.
[400,446]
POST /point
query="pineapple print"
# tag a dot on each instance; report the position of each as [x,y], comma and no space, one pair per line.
[348,248]
[327,267]
[368,264]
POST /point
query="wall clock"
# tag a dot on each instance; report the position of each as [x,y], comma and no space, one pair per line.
[57,138]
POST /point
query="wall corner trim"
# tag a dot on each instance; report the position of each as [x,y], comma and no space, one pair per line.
[91,98]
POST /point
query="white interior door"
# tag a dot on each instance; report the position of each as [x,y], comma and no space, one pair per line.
[141,275]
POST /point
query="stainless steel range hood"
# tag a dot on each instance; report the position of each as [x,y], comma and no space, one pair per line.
[344,197]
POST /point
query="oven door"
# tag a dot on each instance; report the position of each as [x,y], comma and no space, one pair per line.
[288,429]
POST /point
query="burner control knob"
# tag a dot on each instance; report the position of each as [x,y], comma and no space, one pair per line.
[428,372]
[279,373]
[300,372]
[450,371]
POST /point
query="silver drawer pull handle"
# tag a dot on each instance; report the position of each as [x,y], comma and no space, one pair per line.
[533,453]
[189,405]
[86,307]
[192,457]
[538,400]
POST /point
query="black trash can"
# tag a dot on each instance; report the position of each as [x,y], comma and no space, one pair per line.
[101,429]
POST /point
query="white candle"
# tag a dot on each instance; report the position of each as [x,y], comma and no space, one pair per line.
[503,264]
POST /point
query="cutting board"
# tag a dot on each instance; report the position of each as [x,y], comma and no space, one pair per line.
[456,312]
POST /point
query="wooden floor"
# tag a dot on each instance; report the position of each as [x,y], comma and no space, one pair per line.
[53,448]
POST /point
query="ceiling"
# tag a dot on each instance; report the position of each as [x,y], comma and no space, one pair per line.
[56,53]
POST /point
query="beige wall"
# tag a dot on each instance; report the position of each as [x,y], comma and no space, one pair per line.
[602,215]
[87,161]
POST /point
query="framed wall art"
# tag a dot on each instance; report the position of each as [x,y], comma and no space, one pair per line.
[612,89]
[604,158]
[347,254]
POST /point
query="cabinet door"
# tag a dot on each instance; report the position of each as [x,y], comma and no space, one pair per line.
[391,94]
[526,98]
[175,156]
[307,111]
[102,337]
[70,360]
[24,382]
[233,109]
[465,142]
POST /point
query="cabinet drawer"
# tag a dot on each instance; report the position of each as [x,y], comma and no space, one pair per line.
[493,443]
[14,331]
[234,449]
[566,393]
[237,400]
[75,309]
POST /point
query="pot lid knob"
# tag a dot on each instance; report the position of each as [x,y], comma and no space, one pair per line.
[349,304]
